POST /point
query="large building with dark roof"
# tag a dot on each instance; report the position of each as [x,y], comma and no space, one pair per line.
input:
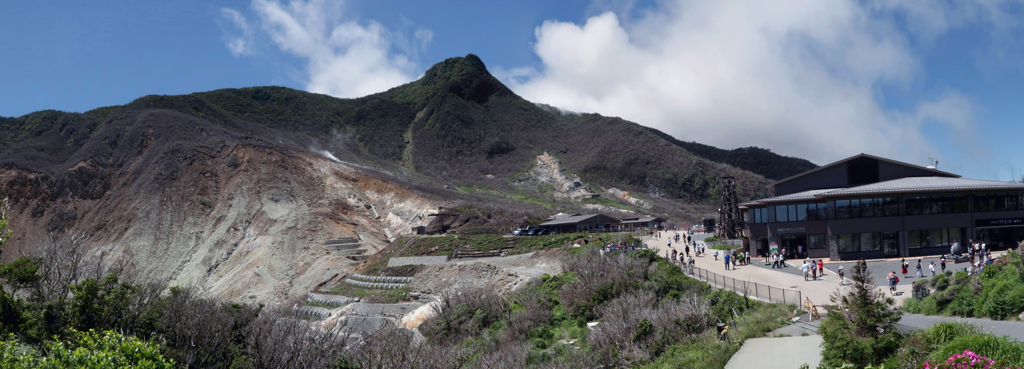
[871,207]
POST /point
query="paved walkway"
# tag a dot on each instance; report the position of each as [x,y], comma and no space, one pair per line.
[787,278]
[779,352]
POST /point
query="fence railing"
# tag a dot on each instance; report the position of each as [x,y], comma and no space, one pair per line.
[752,289]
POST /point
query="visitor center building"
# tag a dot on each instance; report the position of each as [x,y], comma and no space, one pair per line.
[871,207]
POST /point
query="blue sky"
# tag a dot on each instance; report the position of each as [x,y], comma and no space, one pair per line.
[910,80]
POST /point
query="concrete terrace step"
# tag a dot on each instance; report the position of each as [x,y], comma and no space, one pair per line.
[374,285]
[336,300]
[342,240]
[342,246]
[352,252]
[316,311]
[358,257]
[380,279]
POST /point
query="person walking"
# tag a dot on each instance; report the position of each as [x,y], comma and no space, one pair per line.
[747,254]
[716,255]
[903,264]
[893,280]
[920,274]
[727,261]
[932,268]
[821,267]
[814,270]
[842,275]
[782,261]
[942,262]
[863,266]
[775,260]
[807,270]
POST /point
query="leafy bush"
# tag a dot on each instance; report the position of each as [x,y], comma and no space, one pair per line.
[940,282]
[86,350]
[996,347]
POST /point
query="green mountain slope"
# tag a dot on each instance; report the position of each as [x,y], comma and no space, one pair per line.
[455,125]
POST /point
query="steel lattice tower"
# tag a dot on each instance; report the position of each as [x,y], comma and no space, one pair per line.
[729,212]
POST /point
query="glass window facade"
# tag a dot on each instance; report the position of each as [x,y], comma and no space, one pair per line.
[887,207]
[938,237]
[816,241]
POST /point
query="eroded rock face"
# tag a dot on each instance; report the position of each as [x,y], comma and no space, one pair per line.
[245,224]
[548,170]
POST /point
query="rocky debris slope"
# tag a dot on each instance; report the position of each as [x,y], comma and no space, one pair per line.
[245,223]
[548,170]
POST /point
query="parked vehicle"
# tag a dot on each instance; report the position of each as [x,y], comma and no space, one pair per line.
[520,232]
[537,231]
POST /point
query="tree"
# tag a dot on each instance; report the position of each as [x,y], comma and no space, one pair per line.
[861,325]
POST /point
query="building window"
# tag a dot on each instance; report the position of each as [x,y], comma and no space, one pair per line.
[842,209]
[792,213]
[801,212]
[781,213]
[816,241]
[869,242]
[771,214]
[891,206]
[847,242]
[855,208]
[867,208]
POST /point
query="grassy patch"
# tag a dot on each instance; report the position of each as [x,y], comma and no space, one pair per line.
[608,202]
[371,295]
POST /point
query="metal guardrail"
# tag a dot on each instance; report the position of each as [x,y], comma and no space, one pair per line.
[752,289]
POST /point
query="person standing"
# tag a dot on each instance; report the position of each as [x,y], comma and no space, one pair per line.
[807,270]
[727,261]
[942,263]
[716,255]
[821,267]
[687,250]
[932,268]
[800,251]
[842,275]
[920,274]
[863,265]
[893,279]
[747,254]
[903,265]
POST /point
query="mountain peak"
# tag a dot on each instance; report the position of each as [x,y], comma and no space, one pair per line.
[466,77]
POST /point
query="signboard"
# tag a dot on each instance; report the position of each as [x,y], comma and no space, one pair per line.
[793,230]
[773,247]
[1003,222]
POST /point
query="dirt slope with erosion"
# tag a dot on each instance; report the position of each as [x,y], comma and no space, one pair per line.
[243,220]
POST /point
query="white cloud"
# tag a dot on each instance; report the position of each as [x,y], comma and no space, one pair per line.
[801,77]
[238,36]
[344,58]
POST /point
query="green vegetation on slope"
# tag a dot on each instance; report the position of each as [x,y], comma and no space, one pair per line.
[649,314]
[997,293]
[861,331]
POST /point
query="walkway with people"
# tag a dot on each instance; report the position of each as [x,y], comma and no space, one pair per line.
[818,291]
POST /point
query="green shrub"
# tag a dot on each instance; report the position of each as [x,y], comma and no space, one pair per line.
[940,282]
[988,345]
[86,350]
[960,277]
[963,304]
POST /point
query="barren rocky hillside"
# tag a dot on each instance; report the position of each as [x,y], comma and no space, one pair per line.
[236,190]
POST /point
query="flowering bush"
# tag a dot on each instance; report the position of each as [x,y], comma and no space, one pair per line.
[969,359]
